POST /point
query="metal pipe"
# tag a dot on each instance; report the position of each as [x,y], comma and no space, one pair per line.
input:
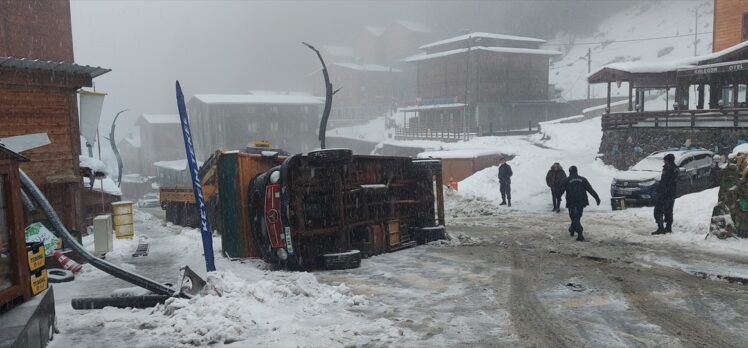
[70,241]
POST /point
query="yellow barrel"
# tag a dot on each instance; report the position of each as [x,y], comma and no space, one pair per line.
[123,222]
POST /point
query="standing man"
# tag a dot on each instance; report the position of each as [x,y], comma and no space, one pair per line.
[665,199]
[505,182]
[554,179]
[576,188]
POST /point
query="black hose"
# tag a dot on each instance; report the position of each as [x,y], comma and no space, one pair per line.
[144,301]
[63,233]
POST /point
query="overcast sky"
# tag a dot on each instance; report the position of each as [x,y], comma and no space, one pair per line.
[236,46]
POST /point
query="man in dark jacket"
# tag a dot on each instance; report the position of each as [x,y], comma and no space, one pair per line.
[554,179]
[576,188]
[665,198]
[505,182]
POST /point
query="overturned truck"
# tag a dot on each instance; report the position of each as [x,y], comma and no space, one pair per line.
[328,208]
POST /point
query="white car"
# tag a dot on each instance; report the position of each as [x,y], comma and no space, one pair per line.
[149,200]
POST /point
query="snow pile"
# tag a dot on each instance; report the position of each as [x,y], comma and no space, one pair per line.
[96,166]
[458,206]
[236,310]
[456,239]
[373,131]
[107,185]
[645,19]
[567,143]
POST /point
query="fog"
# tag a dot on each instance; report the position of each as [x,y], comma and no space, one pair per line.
[237,46]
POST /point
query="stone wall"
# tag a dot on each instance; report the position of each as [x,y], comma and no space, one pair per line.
[728,217]
[623,148]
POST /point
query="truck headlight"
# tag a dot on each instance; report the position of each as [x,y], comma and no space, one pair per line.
[275,176]
[647,183]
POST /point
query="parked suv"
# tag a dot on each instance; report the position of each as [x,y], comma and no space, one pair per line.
[638,185]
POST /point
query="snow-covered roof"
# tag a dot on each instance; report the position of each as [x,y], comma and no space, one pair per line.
[432,107]
[133,139]
[366,67]
[175,165]
[669,65]
[106,185]
[414,26]
[483,36]
[376,31]
[460,154]
[339,51]
[425,56]
[268,92]
[161,118]
[271,99]
[94,164]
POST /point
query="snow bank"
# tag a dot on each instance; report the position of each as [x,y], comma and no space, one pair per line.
[569,144]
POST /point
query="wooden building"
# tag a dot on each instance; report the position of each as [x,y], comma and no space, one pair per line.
[156,137]
[38,85]
[14,269]
[730,23]
[498,81]
[231,121]
[367,91]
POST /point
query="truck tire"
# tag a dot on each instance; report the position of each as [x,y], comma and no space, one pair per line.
[330,156]
[347,260]
[423,235]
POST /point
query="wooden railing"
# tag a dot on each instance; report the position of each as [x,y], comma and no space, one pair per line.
[715,118]
[445,134]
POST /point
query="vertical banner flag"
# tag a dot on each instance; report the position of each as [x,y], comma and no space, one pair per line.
[199,199]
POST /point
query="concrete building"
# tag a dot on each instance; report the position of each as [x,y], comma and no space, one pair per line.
[231,121]
[730,23]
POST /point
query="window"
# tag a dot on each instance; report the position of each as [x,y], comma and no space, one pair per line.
[744,35]
[6,264]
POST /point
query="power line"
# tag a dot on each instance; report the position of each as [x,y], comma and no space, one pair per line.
[629,40]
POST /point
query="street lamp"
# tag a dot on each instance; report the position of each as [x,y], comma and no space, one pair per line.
[466,107]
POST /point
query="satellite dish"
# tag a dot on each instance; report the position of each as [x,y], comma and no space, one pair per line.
[20,143]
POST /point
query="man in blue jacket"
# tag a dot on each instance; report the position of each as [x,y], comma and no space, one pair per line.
[505,182]
[576,188]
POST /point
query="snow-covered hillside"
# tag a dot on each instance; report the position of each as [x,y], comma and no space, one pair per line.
[618,39]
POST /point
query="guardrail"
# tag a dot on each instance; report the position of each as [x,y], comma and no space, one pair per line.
[713,118]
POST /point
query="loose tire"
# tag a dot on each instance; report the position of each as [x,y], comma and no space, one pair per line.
[347,260]
[59,275]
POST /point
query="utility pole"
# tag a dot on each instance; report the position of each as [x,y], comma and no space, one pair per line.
[589,69]
[695,29]
[467,85]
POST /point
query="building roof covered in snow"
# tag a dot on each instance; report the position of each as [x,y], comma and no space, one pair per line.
[533,51]
[339,51]
[175,165]
[161,118]
[374,30]
[366,67]
[414,26]
[666,69]
[133,139]
[482,35]
[258,99]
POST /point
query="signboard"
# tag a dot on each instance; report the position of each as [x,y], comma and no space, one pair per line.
[715,68]
[197,188]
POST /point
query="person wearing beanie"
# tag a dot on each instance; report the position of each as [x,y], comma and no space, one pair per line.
[665,197]
[576,188]
[554,179]
[505,182]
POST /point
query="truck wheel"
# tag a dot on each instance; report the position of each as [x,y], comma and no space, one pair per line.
[346,260]
[423,235]
[323,157]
